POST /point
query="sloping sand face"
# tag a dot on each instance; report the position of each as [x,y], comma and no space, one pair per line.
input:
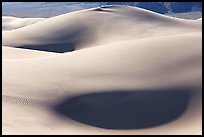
[131,71]
[94,27]
[10,23]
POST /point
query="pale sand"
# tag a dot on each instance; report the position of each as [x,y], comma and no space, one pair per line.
[16,53]
[132,71]
[10,23]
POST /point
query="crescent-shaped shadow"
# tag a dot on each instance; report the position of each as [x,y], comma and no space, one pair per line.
[125,109]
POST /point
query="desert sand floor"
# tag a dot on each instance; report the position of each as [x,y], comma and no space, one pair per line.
[107,70]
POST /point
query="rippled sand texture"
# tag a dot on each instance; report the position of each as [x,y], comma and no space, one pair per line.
[108,70]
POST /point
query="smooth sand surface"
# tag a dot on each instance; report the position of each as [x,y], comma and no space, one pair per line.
[10,23]
[108,70]
[19,53]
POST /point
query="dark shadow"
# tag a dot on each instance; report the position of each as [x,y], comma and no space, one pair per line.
[59,48]
[125,109]
[102,10]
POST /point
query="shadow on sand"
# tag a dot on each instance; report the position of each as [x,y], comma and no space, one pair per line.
[58,48]
[125,109]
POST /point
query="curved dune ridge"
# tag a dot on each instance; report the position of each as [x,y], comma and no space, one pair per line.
[131,71]
[15,53]
[94,27]
[10,23]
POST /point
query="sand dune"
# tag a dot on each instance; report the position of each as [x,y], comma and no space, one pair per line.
[131,71]
[95,27]
[17,53]
[10,23]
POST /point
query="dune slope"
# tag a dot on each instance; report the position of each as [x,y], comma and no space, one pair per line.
[10,23]
[94,27]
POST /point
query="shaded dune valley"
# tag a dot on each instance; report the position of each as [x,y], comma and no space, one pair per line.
[102,71]
[126,110]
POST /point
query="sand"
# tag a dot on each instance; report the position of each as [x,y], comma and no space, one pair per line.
[107,70]
[10,23]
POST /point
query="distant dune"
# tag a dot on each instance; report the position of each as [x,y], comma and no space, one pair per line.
[106,70]
[95,27]
[50,9]
[187,15]
[9,23]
